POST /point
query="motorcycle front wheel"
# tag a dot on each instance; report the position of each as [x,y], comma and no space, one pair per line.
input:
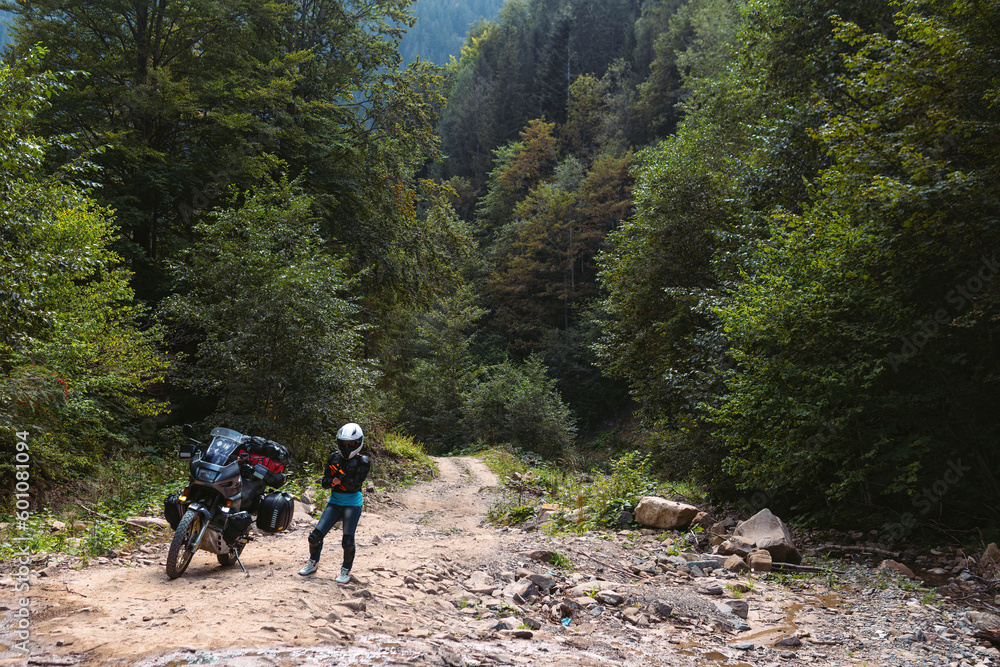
[180,554]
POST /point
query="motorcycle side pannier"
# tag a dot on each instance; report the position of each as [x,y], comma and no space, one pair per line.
[275,512]
[173,510]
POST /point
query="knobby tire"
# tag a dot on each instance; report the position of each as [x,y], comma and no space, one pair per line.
[179,555]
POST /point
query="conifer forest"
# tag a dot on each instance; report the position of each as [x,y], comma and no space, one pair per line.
[756,240]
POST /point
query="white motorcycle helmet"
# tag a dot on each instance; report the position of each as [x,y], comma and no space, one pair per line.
[350,439]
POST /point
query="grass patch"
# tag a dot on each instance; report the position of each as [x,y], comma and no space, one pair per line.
[562,561]
[399,460]
[119,489]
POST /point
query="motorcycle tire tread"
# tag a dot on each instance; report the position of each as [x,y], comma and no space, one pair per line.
[179,556]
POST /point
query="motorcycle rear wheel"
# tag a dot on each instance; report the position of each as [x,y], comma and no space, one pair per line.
[230,558]
[179,554]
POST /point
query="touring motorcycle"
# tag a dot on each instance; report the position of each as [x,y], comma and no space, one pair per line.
[226,490]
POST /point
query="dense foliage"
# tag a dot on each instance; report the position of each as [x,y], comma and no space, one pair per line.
[276,338]
[75,359]
[828,343]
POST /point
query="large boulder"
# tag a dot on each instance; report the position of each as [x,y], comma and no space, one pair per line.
[666,514]
[135,524]
[771,534]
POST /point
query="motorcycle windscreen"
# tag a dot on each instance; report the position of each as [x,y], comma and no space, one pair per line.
[225,442]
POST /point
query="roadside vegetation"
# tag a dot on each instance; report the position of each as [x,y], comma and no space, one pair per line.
[601,497]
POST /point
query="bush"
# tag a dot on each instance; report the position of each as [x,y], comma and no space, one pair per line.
[519,406]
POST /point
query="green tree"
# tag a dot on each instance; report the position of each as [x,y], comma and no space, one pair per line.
[583,130]
[74,360]
[443,370]
[869,319]
[278,341]
[519,167]
[520,406]
[487,93]
[190,98]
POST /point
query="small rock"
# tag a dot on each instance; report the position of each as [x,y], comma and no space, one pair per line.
[524,588]
[609,598]
[543,581]
[720,527]
[991,556]
[517,634]
[541,555]
[661,608]
[760,561]
[635,616]
[893,566]
[532,623]
[465,600]
[703,565]
[984,620]
[736,564]
[136,523]
[353,605]
[740,546]
[740,607]
[788,642]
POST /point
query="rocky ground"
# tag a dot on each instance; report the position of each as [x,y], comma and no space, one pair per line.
[434,585]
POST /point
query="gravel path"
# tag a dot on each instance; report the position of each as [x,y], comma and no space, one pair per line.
[434,585]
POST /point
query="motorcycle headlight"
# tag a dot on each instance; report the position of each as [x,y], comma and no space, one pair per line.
[206,475]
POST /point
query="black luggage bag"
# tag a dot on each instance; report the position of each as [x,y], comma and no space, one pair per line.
[275,512]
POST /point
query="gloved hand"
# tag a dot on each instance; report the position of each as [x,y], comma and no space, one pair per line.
[326,482]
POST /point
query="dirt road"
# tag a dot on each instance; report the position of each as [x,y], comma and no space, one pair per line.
[434,585]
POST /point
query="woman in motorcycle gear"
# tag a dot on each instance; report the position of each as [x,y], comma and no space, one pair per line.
[344,475]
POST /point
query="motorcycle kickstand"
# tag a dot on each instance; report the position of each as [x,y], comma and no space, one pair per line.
[241,564]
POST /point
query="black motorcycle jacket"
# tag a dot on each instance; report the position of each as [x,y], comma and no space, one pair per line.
[352,472]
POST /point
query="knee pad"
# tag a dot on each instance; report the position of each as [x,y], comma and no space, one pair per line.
[348,541]
[315,539]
